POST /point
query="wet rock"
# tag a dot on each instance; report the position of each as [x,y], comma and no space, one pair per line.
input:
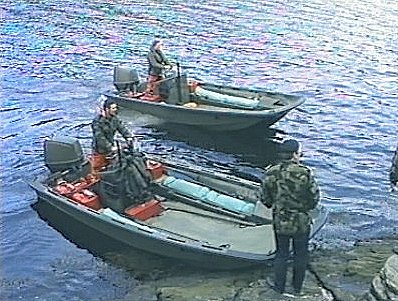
[334,275]
[141,293]
[248,285]
[347,274]
[385,284]
[260,290]
[220,290]
[203,291]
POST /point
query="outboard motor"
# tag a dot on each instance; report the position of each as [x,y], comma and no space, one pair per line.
[65,153]
[125,79]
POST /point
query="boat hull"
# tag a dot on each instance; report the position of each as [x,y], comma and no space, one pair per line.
[210,116]
[189,213]
[148,239]
[143,238]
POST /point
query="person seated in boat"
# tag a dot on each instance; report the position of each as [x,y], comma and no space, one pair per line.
[291,190]
[394,171]
[104,127]
[158,64]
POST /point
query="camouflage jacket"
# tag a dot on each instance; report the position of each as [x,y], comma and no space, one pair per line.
[291,190]
[104,130]
[394,169]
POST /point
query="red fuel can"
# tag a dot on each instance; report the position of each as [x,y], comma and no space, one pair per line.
[86,182]
[156,169]
[65,188]
[146,210]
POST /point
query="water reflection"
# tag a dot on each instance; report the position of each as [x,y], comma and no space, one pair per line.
[256,145]
[244,152]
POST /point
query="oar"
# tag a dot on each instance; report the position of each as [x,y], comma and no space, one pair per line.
[207,171]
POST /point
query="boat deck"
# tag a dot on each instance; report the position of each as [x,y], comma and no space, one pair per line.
[215,229]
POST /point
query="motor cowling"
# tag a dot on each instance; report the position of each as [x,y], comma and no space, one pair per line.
[125,78]
[63,153]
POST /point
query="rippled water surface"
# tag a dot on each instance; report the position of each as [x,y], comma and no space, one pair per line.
[57,57]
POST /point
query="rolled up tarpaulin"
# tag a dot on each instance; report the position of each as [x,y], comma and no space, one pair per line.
[208,196]
[226,100]
[228,202]
[186,188]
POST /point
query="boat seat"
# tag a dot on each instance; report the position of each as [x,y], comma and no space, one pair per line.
[208,196]
[177,90]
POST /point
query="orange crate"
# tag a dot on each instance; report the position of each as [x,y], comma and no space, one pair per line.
[87,198]
[146,210]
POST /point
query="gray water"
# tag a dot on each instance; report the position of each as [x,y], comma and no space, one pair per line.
[57,57]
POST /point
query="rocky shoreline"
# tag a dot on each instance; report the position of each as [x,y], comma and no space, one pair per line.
[366,272]
[385,283]
[347,275]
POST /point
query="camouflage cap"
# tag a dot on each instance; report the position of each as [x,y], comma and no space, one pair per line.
[290,146]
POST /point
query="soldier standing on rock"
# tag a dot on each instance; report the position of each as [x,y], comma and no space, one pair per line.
[394,170]
[291,190]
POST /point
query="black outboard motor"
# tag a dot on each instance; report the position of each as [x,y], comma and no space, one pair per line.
[125,79]
[62,154]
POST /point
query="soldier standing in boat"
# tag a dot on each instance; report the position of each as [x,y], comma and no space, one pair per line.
[291,190]
[104,127]
[158,64]
[394,170]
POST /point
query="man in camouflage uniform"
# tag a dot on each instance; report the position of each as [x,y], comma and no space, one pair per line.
[104,127]
[291,190]
[394,170]
[158,63]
